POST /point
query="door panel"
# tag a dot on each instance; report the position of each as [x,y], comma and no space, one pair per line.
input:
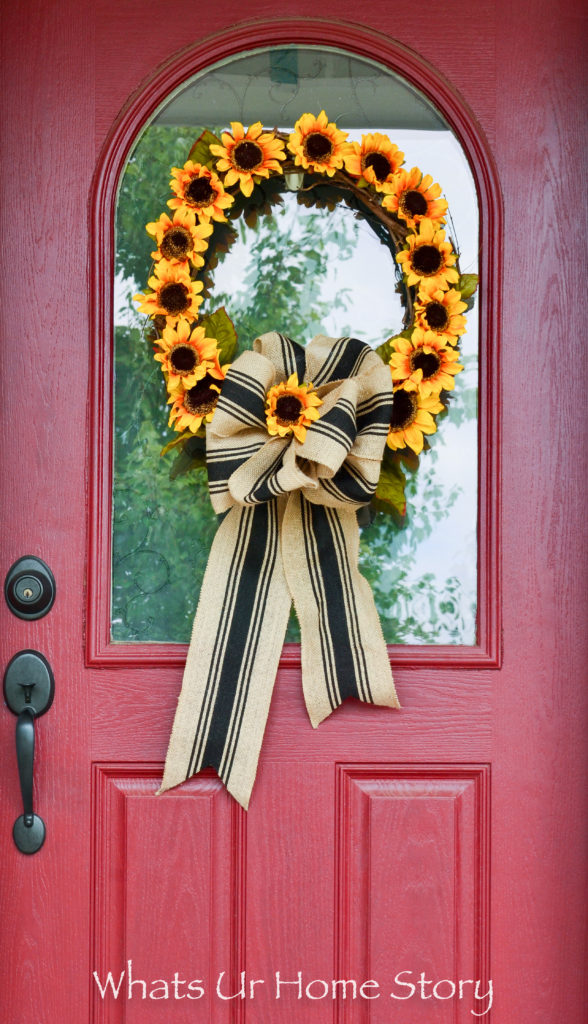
[189,892]
[366,850]
[412,845]
[408,843]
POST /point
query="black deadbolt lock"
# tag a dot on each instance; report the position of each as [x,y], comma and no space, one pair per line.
[29,588]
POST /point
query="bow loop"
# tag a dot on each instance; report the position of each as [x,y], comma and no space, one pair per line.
[286,356]
[290,534]
[338,462]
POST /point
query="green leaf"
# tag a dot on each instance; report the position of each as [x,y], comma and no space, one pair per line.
[180,440]
[467,285]
[187,460]
[387,348]
[409,459]
[219,325]
[200,152]
[196,443]
[251,217]
[390,489]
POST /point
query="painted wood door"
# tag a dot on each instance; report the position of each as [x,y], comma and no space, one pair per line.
[450,844]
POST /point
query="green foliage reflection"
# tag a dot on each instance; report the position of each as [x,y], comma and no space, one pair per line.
[163,528]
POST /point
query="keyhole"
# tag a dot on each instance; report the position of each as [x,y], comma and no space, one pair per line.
[27,593]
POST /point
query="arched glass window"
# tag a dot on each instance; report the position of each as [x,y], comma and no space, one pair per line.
[302,266]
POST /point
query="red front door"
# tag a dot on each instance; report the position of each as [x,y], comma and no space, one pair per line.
[447,847]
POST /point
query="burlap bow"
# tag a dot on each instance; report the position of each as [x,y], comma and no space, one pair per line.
[290,534]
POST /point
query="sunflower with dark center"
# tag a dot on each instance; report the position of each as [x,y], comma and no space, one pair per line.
[414,196]
[424,363]
[248,156]
[173,294]
[440,311]
[180,239]
[187,357]
[291,408]
[193,406]
[428,255]
[199,191]
[412,418]
[317,144]
[376,161]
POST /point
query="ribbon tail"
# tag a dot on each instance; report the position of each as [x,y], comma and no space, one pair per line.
[234,652]
[342,645]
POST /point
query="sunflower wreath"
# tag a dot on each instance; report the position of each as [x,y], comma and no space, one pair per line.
[244,172]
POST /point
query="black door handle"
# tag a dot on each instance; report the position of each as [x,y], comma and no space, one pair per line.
[25,753]
[28,690]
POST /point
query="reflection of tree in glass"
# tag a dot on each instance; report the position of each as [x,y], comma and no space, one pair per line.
[164,528]
[413,610]
[283,286]
[144,193]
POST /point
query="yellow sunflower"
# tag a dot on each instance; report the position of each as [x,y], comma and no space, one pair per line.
[180,239]
[187,357]
[291,408]
[414,196]
[173,294]
[440,311]
[200,190]
[376,161]
[248,156]
[193,406]
[424,363]
[317,144]
[428,256]
[412,417]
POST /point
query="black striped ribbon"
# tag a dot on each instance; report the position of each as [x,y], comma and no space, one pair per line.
[289,534]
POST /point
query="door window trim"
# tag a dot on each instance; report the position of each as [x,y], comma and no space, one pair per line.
[100,649]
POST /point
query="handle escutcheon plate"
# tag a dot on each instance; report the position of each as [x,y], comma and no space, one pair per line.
[29,687]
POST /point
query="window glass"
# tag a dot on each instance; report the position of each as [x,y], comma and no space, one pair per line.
[303,268]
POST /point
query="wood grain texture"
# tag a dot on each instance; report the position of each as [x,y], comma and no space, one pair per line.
[290,889]
[445,713]
[412,883]
[541,705]
[43,323]
[521,69]
[474,79]
[168,896]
